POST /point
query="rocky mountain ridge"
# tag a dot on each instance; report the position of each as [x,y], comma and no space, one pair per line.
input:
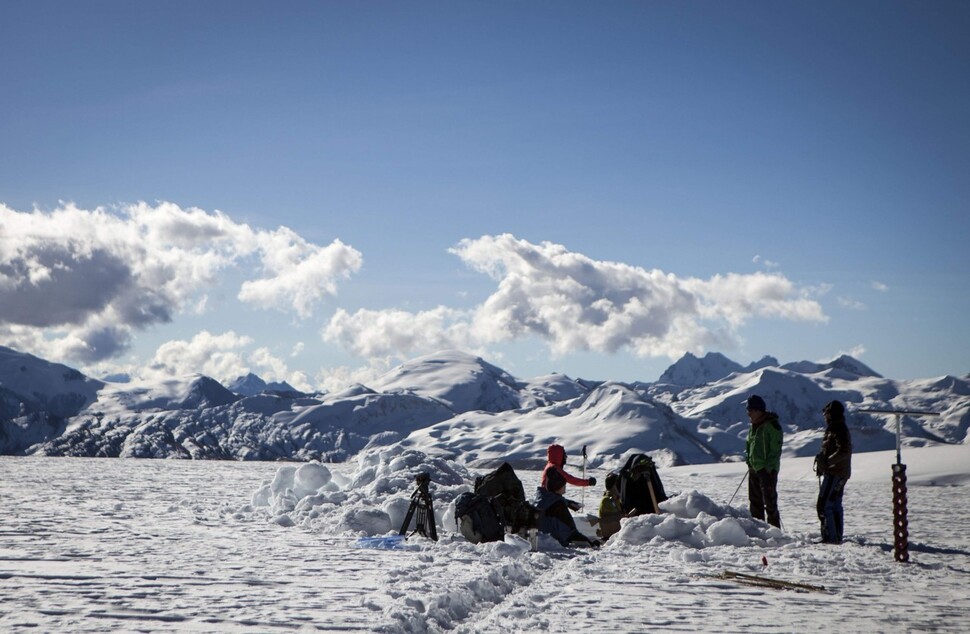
[459,405]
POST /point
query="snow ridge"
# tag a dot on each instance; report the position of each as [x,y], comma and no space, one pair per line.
[458,406]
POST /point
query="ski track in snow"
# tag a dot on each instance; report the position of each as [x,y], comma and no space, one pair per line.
[91,545]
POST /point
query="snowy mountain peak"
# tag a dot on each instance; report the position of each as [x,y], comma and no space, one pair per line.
[843,364]
[32,384]
[690,371]
[853,366]
[206,392]
[191,392]
[459,380]
[251,385]
[551,388]
[766,361]
[351,391]
[452,403]
[615,404]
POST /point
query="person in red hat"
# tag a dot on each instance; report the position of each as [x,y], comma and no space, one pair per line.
[555,477]
[554,516]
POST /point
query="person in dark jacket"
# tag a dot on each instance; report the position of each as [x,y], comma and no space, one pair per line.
[554,516]
[763,456]
[833,465]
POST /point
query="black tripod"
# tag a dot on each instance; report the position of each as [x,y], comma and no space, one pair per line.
[421,502]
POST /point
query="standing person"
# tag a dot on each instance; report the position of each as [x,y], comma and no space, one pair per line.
[763,456]
[554,516]
[834,465]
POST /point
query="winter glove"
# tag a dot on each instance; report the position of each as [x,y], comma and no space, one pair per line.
[575,506]
[820,464]
[591,481]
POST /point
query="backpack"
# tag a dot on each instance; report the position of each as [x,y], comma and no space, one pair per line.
[505,492]
[502,481]
[636,479]
[476,519]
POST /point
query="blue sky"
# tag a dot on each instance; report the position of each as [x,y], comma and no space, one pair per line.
[591,188]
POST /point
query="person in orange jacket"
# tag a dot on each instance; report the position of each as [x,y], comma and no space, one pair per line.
[555,477]
[554,516]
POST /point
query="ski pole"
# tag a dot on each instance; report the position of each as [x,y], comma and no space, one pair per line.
[584,477]
[739,487]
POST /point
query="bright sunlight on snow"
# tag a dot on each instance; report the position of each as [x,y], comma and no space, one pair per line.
[159,545]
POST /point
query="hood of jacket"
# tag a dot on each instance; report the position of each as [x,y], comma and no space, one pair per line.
[556,455]
[770,418]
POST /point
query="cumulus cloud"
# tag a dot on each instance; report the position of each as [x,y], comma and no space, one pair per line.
[272,368]
[879,286]
[75,283]
[575,303]
[379,333]
[340,378]
[298,273]
[219,356]
[224,357]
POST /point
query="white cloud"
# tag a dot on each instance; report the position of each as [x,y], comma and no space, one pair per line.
[224,357]
[379,333]
[817,290]
[340,378]
[737,298]
[851,304]
[879,286]
[856,352]
[575,303]
[298,273]
[217,356]
[768,264]
[77,282]
[271,368]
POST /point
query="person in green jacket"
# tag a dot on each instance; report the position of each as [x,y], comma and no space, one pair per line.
[763,456]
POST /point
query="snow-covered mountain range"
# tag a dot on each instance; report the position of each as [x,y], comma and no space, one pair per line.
[458,406]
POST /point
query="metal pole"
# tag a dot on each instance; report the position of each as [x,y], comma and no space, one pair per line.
[900,511]
[583,492]
[899,439]
[739,487]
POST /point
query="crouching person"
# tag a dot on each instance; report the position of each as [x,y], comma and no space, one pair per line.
[554,509]
[611,510]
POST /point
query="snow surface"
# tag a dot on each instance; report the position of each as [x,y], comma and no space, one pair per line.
[95,545]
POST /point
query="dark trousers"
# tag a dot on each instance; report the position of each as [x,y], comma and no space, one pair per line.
[829,507]
[763,496]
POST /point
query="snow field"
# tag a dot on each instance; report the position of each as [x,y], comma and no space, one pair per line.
[89,545]
[689,545]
